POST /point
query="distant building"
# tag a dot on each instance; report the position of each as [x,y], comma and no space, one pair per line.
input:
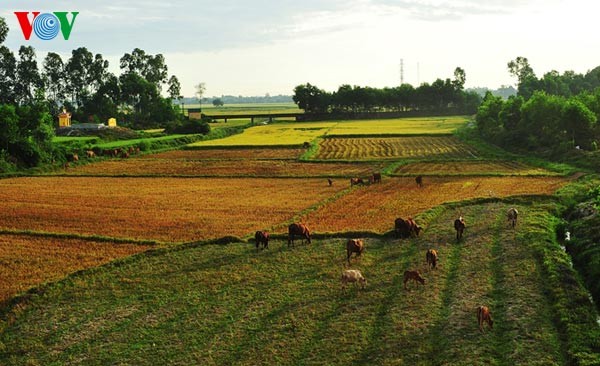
[112,122]
[64,119]
[195,113]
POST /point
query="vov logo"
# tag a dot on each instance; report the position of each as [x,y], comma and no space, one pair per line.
[46,25]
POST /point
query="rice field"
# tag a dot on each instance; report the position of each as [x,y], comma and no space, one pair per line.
[450,168]
[400,126]
[277,134]
[221,154]
[378,148]
[375,207]
[220,168]
[162,209]
[27,261]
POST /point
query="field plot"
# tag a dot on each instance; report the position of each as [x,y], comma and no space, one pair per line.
[30,260]
[286,134]
[378,148]
[221,154]
[164,209]
[222,168]
[471,168]
[374,208]
[408,126]
[231,305]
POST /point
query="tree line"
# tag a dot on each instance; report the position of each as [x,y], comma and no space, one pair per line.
[556,113]
[31,97]
[440,96]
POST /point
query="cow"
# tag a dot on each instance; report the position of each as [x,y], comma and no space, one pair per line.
[413,275]
[90,154]
[483,315]
[353,275]
[432,257]
[329,181]
[406,228]
[262,237]
[419,180]
[73,157]
[459,226]
[511,215]
[298,229]
[354,246]
[376,178]
[356,181]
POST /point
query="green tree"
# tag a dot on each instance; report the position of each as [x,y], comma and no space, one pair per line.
[527,81]
[217,102]
[174,90]
[53,75]
[311,99]
[8,66]
[541,116]
[3,30]
[28,78]
[487,119]
[579,122]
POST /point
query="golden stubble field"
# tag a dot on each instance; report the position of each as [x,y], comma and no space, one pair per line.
[375,207]
[29,260]
[162,209]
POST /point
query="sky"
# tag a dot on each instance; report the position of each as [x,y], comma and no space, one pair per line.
[257,47]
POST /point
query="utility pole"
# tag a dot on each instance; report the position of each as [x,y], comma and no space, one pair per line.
[401,71]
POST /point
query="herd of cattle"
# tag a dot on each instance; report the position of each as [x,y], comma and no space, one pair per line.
[403,228]
[110,153]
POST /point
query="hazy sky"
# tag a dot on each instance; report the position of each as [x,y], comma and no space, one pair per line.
[258,47]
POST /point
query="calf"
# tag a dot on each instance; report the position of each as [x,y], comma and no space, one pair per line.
[262,237]
[459,226]
[483,315]
[354,246]
[356,181]
[376,178]
[511,215]
[353,275]
[413,275]
[432,258]
[419,180]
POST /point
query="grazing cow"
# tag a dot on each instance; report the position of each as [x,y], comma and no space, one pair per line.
[459,226]
[376,178]
[356,181]
[298,229]
[413,275]
[73,157]
[354,246]
[512,216]
[483,315]
[406,228]
[329,181]
[432,258]
[90,154]
[262,237]
[419,180]
[353,275]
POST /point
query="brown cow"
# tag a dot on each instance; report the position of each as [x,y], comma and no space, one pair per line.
[406,228]
[459,226]
[511,215]
[432,258]
[73,157]
[356,181]
[354,246]
[483,315]
[262,237]
[329,181]
[419,180]
[90,154]
[376,178]
[413,275]
[298,229]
